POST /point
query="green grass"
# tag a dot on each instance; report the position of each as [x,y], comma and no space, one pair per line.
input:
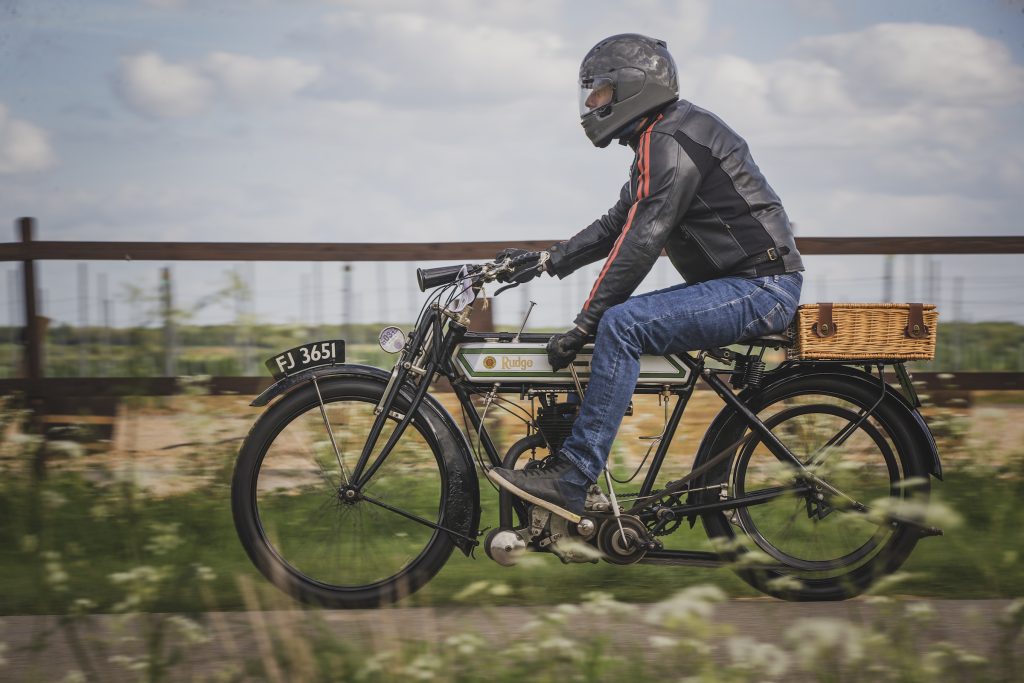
[66,538]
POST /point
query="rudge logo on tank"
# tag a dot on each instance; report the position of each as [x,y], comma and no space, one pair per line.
[516,363]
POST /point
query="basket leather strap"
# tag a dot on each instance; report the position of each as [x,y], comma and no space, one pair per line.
[916,329]
[824,327]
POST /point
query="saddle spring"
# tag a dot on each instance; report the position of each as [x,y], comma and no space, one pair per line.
[749,372]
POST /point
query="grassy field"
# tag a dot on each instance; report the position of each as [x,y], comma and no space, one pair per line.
[72,540]
[102,526]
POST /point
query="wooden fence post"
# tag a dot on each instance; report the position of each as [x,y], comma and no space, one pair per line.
[32,339]
[170,334]
[32,345]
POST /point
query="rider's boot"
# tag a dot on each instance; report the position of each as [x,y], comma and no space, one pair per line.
[557,486]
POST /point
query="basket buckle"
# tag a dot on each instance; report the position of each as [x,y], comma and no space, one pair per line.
[824,327]
[916,329]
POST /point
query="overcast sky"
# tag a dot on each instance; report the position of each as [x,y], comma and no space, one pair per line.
[395,120]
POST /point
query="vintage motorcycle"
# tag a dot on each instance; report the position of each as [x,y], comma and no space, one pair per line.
[354,487]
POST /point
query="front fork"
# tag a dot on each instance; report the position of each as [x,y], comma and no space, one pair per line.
[365,469]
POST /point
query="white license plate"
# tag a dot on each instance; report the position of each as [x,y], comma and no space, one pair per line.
[306,356]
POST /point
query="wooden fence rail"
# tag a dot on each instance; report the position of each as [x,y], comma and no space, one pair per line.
[28,250]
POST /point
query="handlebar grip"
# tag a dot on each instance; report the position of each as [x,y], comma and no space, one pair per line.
[427,278]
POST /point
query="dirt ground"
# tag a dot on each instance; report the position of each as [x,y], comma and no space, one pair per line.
[168,446]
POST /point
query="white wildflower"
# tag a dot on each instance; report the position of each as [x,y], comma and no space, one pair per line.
[71,449]
[884,584]
[663,642]
[204,573]
[751,655]
[53,499]
[820,639]
[26,441]
[1013,615]
[500,589]
[165,538]
[601,604]
[471,590]
[190,630]
[697,646]
[694,603]
[920,611]
[132,663]
[29,543]
[82,606]
[465,644]
[373,665]
[424,667]
[917,511]
[785,584]
[56,577]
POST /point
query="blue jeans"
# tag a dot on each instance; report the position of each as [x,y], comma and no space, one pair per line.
[681,318]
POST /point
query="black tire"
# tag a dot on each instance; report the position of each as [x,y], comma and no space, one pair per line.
[293,520]
[799,555]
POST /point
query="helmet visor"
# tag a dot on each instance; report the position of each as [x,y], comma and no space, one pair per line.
[596,93]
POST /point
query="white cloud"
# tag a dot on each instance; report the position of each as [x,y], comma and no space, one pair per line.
[856,211]
[404,55]
[876,109]
[911,128]
[252,80]
[463,51]
[160,89]
[24,147]
[155,87]
[915,62]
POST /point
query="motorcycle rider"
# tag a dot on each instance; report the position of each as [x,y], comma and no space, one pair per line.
[693,191]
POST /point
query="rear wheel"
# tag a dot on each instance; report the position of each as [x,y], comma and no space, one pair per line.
[849,520]
[313,534]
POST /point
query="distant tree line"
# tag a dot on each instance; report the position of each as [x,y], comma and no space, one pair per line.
[229,350]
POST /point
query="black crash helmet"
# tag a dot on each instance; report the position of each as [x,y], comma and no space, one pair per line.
[621,79]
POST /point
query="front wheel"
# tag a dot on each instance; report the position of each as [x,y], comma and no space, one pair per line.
[313,534]
[845,519]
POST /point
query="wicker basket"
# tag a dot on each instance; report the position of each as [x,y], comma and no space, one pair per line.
[864,331]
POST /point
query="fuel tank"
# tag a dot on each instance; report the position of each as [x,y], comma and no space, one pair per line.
[527,363]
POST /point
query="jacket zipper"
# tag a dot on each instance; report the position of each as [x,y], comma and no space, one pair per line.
[702,249]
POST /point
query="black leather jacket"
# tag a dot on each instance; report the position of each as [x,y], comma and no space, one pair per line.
[695,192]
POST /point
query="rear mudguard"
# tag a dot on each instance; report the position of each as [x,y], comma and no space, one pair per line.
[462,509]
[725,428]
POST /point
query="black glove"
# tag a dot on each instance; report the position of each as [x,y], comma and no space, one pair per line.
[563,347]
[524,264]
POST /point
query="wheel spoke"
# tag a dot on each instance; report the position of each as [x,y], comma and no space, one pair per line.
[328,535]
[330,432]
[793,534]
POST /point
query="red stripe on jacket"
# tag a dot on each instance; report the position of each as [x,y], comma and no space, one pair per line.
[643,185]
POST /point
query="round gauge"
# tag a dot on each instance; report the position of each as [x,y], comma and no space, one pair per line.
[392,339]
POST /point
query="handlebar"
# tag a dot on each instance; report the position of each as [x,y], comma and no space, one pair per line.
[428,278]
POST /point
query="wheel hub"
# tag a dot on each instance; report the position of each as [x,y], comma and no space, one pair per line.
[818,505]
[349,495]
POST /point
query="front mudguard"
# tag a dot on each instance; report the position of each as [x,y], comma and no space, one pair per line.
[727,426]
[462,509]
